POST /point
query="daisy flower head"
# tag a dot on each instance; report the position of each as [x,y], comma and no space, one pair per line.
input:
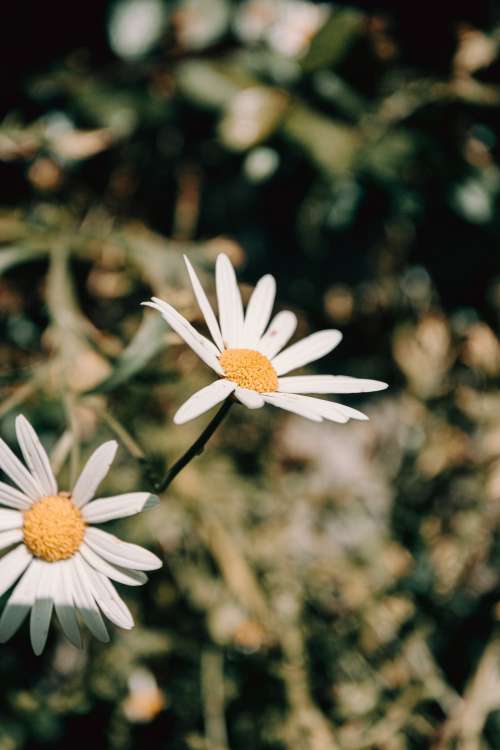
[248,355]
[58,558]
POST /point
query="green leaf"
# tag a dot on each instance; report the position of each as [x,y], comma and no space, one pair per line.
[333,41]
[147,342]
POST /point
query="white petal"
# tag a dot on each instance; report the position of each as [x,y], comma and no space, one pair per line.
[128,577]
[250,399]
[120,606]
[111,604]
[328,409]
[119,506]
[229,302]
[41,612]
[120,553]
[84,600]
[292,403]
[258,311]
[20,602]
[10,519]
[205,349]
[35,456]
[12,466]
[203,400]
[308,350]
[347,384]
[333,411]
[64,604]
[93,473]
[12,565]
[14,498]
[7,538]
[205,306]
[328,384]
[349,412]
[325,409]
[280,331]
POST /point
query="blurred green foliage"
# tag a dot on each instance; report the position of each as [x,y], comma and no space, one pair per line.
[324,586]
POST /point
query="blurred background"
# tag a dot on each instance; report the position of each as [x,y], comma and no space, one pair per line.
[325,586]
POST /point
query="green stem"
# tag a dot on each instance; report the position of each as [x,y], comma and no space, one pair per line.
[197,448]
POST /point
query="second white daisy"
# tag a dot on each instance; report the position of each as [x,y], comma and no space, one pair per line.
[248,355]
[62,561]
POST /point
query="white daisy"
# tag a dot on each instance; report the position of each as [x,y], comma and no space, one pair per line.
[248,356]
[62,561]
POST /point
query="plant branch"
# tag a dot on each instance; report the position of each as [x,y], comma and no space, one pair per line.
[197,448]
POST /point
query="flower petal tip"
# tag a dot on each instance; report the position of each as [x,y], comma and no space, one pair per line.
[152,502]
[111,445]
[159,563]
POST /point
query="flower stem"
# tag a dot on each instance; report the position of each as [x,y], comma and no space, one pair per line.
[197,448]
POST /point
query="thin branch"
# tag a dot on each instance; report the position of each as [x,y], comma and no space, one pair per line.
[467,718]
[307,727]
[60,451]
[123,435]
[69,406]
[19,396]
[197,448]
[212,688]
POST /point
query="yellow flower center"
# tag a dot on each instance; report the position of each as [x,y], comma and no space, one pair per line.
[249,369]
[53,528]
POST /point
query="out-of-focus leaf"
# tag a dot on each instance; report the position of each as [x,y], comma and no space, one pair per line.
[210,84]
[81,144]
[331,144]
[252,116]
[331,43]
[13,226]
[135,26]
[389,156]
[147,342]
[158,258]
[200,23]
[14,255]
[334,89]
[79,366]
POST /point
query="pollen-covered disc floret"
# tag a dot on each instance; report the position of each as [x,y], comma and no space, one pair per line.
[53,528]
[249,369]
